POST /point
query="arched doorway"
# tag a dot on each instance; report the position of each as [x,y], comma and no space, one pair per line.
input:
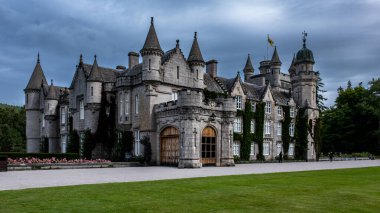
[169,153]
[208,146]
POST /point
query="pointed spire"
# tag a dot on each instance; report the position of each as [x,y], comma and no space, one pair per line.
[177,44]
[95,74]
[248,65]
[304,33]
[275,59]
[151,42]
[81,60]
[292,65]
[37,78]
[195,55]
[52,94]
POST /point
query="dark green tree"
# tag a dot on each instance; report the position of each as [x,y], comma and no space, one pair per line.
[88,144]
[73,145]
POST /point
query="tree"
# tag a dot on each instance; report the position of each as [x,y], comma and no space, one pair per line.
[319,94]
[88,144]
[12,128]
[73,145]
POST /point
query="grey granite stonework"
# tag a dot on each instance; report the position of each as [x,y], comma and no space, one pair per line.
[166,90]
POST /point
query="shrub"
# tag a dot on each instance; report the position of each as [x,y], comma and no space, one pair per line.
[13,155]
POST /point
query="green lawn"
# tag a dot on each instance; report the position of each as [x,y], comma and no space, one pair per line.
[344,190]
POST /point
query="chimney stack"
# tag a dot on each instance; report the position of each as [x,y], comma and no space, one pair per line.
[212,68]
[133,58]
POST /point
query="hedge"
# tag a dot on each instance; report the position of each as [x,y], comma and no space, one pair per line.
[68,156]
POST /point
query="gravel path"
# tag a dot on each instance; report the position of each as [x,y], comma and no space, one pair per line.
[47,178]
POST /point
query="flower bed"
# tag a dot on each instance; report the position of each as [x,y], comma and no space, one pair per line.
[53,160]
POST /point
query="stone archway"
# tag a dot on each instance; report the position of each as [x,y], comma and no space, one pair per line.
[208,146]
[169,141]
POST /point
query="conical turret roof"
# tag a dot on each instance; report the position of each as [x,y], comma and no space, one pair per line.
[95,74]
[151,41]
[195,53]
[292,65]
[37,77]
[248,65]
[52,94]
[275,58]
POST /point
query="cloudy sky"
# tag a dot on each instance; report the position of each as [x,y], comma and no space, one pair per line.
[344,36]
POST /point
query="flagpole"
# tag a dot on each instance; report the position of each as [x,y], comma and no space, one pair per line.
[267,46]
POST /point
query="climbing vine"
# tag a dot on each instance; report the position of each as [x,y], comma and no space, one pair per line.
[285,130]
[210,95]
[259,133]
[246,141]
[317,137]
[301,133]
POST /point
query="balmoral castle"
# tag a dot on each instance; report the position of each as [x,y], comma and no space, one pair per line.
[167,97]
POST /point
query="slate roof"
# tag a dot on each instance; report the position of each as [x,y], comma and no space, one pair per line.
[134,71]
[248,65]
[151,41]
[108,74]
[292,65]
[211,84]
[253,91]
[195,54]
[225,84]
[54,92]
[167,55]
[37,78]
[281,98]
[275,57]
[95,74]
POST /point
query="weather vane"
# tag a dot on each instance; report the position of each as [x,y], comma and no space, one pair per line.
[304,33]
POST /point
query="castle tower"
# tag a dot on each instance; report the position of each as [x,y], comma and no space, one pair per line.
[93,96]
[248,69]
[151,55]
[304,78]
[51,117]
[304,82]
[196,62]
[275,69]
[32,107]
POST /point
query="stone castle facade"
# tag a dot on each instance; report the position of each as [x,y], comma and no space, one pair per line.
[163,98]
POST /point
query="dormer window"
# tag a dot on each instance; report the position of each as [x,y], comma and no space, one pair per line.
[268,107]
[279,110]
[238,102]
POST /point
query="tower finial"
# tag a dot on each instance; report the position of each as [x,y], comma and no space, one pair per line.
[304,33]
[151,20]
[95,56]
[51,81]
[80,59]
[177,43]
[38,57]
[195,35]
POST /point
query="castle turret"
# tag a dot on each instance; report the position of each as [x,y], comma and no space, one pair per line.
[51,117]
[34,116]
[275,67]
[292,68]
[151,55]
[196,62]
[304,78]
[248,69]
[94,84]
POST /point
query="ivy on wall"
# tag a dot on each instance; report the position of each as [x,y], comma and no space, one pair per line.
[210,95]
[259,133]
[245,143]
[285,136]
[301,133]
[317,137]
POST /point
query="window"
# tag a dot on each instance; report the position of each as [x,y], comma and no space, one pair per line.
[27,98]
[197,74]
[252,148]
[121,105]
[253,105]
[63,115]
[238,102]
[253,126]
[43,119]
[266,148]
[137,143]
[279,110]
[291,149]
[174,95]
[279,128]
[137,104]
[291,112]
[279,148]
[92,91]
[291,129]
[268,107]
[236,148]
[177,72]
[126,104]
[149,64]
[267,127]
[237,124]
[81,110]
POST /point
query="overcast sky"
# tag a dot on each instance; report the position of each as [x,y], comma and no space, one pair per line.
[343,35]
